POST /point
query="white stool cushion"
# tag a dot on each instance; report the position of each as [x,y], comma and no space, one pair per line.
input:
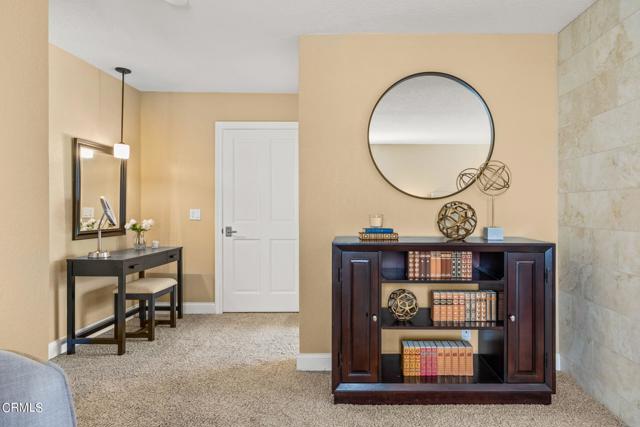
[148,285]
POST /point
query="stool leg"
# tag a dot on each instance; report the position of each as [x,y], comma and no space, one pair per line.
[151,323]
[172,297]
[115,310]
[143,312]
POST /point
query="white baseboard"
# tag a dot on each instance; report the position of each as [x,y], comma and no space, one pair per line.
[59,346]
[558,362]
[313,362]
[199,308]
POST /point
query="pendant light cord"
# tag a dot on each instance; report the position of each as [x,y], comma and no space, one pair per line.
[122,112]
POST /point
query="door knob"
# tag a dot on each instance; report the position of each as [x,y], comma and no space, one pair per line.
[229,232]
[374,318]
[512,318]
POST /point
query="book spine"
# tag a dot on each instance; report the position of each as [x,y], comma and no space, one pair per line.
[410,265]
[403,352]
[454,358]
[467,306]
[417,358]
[435,306]
[374,230]
[440,358]
[432,358]
[494,311]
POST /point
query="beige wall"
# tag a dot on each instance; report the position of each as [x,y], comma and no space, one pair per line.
[599,185]
[24,229]
[341,78]
[84,102]
[178,169]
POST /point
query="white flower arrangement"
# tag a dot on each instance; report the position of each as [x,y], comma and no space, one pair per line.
[88,224]
[133,225]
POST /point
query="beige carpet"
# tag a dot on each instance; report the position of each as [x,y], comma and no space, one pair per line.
[239,370]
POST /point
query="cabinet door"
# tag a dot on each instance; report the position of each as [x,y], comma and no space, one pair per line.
[360,310]
[525,317]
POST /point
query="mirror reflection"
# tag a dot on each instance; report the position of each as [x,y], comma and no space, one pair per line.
[98,174]
[425,130]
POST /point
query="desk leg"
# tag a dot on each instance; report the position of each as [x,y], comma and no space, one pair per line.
[71,310]
[180,282]
[120,314]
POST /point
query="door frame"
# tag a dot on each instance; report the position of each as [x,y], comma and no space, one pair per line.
[220,127]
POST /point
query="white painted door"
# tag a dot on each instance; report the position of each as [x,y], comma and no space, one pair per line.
[260,209]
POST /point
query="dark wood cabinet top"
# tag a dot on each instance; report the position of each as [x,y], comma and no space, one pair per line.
[128,254]
[439,241]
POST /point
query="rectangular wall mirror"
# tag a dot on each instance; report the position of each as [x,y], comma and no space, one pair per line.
[97,173]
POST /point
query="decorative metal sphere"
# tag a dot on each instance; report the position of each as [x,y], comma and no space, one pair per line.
[466,177]
[457,220]
[494,178]
[403,304]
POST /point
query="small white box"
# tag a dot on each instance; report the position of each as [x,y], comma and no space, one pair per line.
[493,233]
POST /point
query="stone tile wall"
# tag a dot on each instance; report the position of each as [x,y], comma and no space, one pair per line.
[599,203]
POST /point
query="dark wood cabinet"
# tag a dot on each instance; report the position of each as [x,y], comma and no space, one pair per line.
[525,320]
[360,312]
[513,357]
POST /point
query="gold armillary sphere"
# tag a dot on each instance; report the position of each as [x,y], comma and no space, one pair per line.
[457,220]
[403,304]
[466,177]
[493,178]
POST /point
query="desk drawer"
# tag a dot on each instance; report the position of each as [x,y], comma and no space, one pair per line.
[149,261]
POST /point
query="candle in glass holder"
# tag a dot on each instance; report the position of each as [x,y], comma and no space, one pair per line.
[375,220]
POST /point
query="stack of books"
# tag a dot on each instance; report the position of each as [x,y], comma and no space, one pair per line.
[378,233]
[458,307]
[436,358]
[439,265]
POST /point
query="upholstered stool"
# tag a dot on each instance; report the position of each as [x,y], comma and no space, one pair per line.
[146,291]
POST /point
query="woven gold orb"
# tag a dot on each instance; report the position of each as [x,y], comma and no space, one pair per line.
[466,178]
[494,178]
[403,304]
[457,220]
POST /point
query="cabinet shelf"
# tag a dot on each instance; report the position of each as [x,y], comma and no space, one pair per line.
[423,321]
[482,373]
[398,275]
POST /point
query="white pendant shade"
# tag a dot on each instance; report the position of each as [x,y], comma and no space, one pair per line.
[121,151]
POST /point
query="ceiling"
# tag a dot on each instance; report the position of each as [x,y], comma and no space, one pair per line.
[251,45]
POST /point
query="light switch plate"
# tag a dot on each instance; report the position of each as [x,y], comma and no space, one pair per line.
[194,214]
[465,335]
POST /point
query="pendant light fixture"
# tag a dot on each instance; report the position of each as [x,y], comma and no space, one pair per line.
[121,150]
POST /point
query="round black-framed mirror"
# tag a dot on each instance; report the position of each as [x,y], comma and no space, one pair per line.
[425,129]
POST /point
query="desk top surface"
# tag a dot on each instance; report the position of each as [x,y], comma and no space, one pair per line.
[126,254]
[437,240]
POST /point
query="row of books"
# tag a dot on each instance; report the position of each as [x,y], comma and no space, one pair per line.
[439,380]
[378,233]
[464,306]
[436,358]
[439,265]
